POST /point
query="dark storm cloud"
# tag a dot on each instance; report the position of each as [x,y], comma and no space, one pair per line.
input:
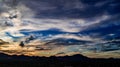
[72,8]
[83,9]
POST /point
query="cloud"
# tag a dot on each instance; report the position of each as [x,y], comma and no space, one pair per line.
[63,9]
[62,25]
[104,27]
[69,9]
[72,36]
[47,20]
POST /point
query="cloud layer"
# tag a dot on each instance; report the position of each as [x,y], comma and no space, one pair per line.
[56,24]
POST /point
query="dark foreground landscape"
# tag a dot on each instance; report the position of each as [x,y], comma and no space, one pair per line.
[67,61]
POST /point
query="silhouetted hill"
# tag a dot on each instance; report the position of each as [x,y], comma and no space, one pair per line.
[66,61]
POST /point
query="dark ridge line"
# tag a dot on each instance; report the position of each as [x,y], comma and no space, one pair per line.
[65,61]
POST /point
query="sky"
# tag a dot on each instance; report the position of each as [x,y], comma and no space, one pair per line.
[61,27]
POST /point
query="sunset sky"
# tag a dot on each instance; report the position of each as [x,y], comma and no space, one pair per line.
[60,27]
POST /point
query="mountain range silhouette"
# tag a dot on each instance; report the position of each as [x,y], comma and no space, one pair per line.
[64,61]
